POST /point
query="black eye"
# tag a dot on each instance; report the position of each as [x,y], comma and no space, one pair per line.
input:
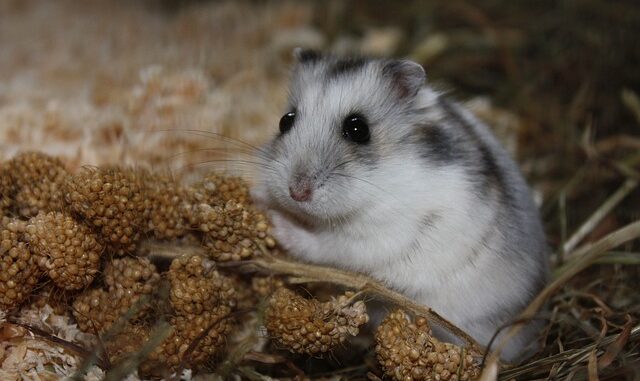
[356,129]
[286,122]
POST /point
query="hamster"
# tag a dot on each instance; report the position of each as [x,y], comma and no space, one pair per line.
[374,171]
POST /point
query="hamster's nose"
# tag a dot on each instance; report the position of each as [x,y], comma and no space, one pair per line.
[301,190]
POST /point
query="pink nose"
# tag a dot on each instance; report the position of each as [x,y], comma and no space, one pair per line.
[301,192]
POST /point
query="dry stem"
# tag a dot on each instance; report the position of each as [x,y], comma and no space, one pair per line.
[599,214]
[315,273]
[583,258]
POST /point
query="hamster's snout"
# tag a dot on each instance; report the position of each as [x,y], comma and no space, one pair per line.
[301,189]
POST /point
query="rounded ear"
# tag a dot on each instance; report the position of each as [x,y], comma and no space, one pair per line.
[303,55]
[407,77]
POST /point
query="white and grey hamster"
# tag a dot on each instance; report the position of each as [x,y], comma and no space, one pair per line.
[376,172]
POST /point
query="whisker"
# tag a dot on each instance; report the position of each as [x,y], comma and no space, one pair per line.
[364,181]
[377,196]
[209,149]
[341,165]
[397,214]
[252,150]
[373,185]
[251,164]
[211,134]
[204,133]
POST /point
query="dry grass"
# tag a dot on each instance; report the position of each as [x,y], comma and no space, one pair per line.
[121,82]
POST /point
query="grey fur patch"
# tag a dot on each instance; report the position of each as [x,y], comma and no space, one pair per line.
[364,153]
[441,145]
[486,165]
[307,55]
[345,66]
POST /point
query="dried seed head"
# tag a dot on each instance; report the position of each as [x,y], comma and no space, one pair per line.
[93,308]
[19,272]
[216,188]
[196,286]
[6,189]
[169,207]
[308,326]
[202,300]
[67,251]
[14,225]
[113,201]
[232,231]
[134,273]
[187,329]
[407,351]
[37,181]
[251,291]
[126,341]
[127,280]
[266,285]
[58,299]
[176,347]
[245,297]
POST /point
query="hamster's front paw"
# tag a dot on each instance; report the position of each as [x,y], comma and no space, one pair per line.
[292,236]
[283,229]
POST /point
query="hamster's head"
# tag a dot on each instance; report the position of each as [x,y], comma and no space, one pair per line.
[344,120]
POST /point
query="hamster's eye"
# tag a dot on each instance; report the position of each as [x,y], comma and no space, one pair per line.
[356,129]
[286,122]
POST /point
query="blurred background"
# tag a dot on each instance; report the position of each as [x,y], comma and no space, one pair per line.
[104,81]
[558,80]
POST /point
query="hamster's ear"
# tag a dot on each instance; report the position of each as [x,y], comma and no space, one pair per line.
[407,77]
[303,55]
